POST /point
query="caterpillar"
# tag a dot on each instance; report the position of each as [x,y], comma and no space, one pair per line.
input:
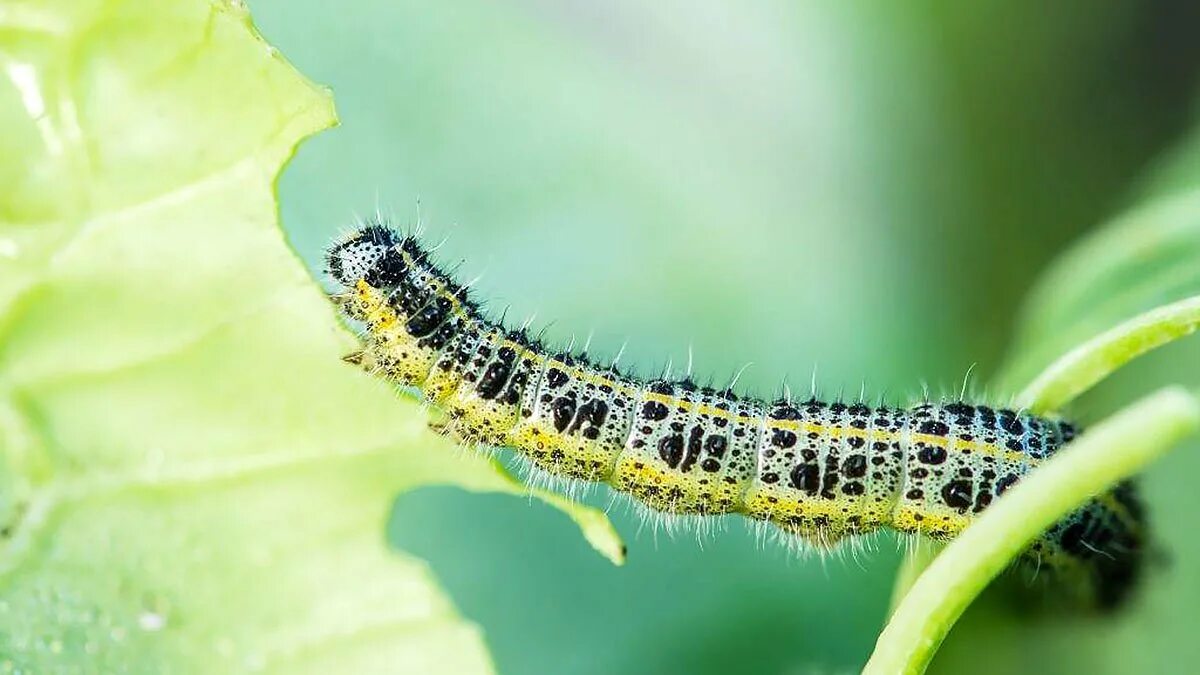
[816,470]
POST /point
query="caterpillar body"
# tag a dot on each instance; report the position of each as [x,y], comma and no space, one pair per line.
[817,470]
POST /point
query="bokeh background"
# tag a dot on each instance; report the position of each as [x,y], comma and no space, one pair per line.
[864,188]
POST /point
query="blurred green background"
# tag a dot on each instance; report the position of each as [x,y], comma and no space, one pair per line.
[869,188]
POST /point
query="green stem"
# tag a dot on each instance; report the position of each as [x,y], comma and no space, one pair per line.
[1112,450]
[1079,369]
[916,559]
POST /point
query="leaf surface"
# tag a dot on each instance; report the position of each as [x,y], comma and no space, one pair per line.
[190,478]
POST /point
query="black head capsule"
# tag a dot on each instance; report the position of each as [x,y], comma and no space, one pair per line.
[370,252]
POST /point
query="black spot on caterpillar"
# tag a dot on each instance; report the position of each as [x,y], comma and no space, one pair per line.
[816,470]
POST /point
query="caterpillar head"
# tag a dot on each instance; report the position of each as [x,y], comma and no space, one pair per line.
[367,254]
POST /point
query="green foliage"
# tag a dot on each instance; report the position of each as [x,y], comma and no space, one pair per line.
[190,479]
[1103,293]
[1085,365]
[1130,287]
[1113,450]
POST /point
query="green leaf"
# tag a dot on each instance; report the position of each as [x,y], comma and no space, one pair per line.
[1141,261]
[1131,286]
[190,479]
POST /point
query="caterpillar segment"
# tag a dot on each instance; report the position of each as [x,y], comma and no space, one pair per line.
[574,422]
[818,471]
[682,455]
